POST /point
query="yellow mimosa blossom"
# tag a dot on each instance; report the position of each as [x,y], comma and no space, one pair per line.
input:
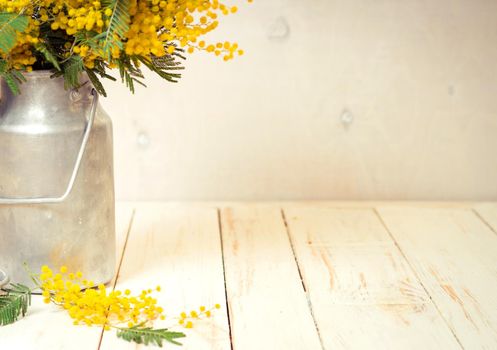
[109,309]
[156,28]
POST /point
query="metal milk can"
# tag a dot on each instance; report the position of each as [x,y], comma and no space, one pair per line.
[56,180]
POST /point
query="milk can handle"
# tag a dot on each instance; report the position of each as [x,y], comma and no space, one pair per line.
[70,185]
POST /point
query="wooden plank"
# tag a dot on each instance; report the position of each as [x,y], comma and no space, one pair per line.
[363,292]
[177,247]
[454,255]
[267,304]
[488,213]
[49,327]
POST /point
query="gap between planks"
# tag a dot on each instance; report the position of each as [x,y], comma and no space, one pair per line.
[409,263]
[121,257]
[477,213]
[220,228]
[309,303]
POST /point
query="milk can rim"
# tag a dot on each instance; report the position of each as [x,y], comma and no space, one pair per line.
[43,73]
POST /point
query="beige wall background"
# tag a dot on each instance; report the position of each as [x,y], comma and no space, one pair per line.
[340,99]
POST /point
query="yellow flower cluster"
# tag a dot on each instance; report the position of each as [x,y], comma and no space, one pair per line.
[96,306]
[156,28]
[90,305]
[14,5]
[180,21]
[187,320]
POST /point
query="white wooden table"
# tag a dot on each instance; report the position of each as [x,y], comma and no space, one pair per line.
[316,275]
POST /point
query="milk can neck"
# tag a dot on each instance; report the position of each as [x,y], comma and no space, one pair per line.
[40,88]
[43,104]
[44,97]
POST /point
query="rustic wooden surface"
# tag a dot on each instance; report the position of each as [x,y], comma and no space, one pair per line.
[305,275]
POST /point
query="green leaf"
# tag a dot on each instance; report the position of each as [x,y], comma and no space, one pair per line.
[10,25]
[49,54]
[14,303]
[118,25]
[130,73]
[11,76]
[162,66]
[13,84]
[96,82]
[71,71]
[147,335]
[89,38]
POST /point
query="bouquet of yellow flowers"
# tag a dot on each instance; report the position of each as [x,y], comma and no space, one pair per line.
[93,36]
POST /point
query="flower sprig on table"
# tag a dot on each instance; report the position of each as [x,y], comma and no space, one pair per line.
[132,316]
[73,36]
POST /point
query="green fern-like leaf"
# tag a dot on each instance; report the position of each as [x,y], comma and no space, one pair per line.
[13,83]
[96,82]
[14,303]
[130,73]
[147,335]
[71,70]
[49,54]
[163,67]
[12,77]
[118,25]
[91,39]
[10,25]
